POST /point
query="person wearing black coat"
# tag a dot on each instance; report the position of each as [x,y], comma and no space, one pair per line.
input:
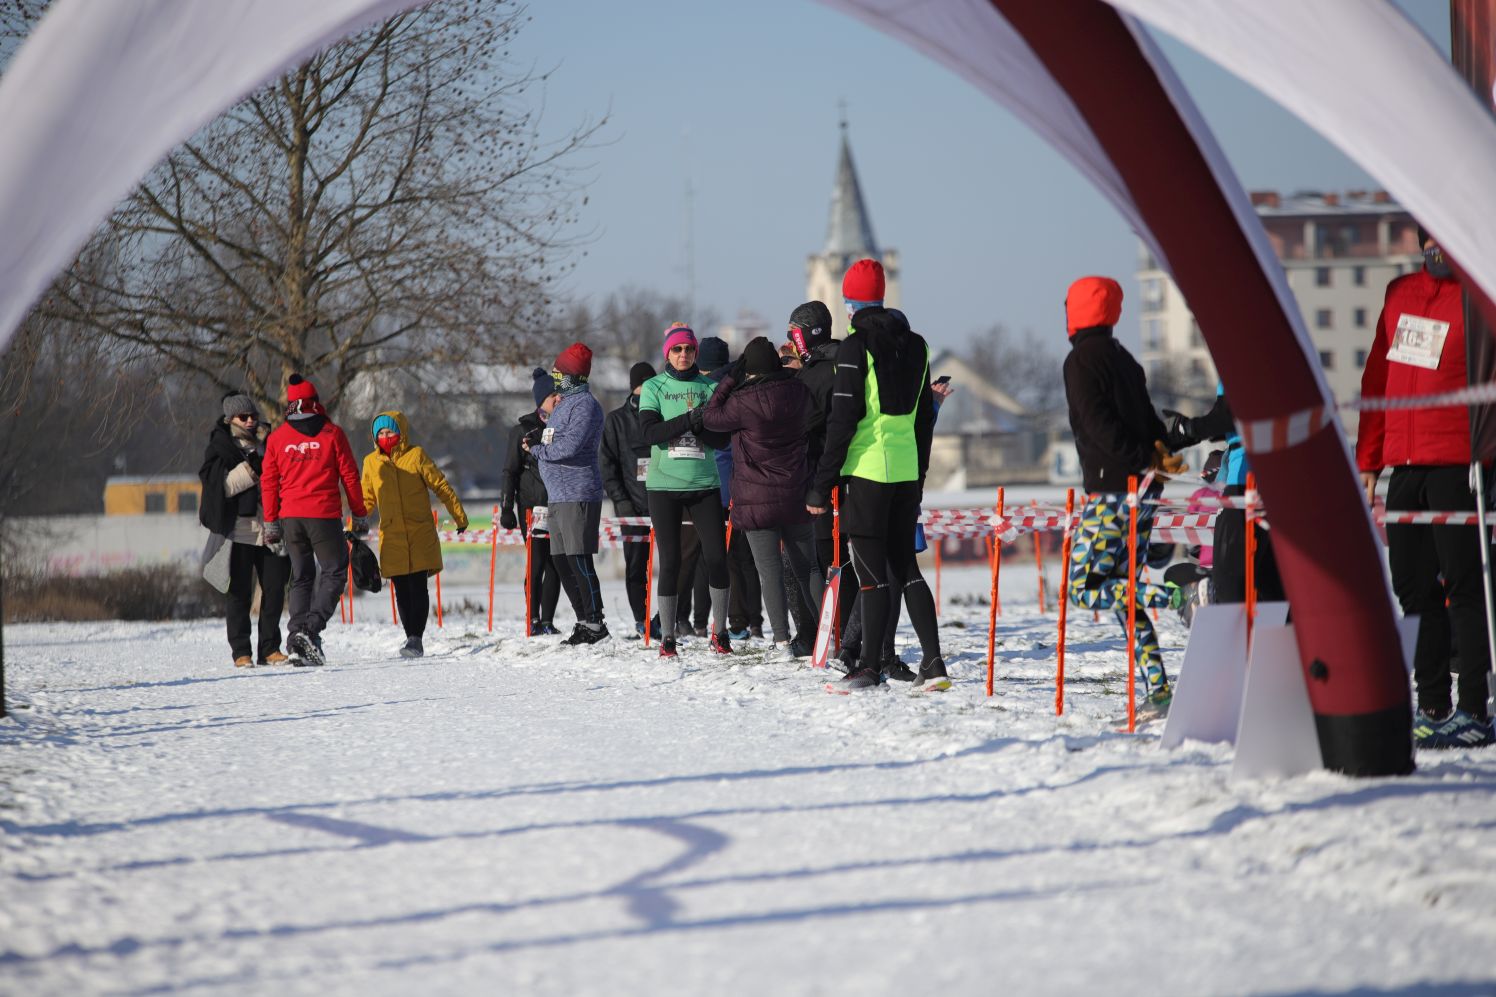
[523,491]
[1117,435]
[230,508]
[624,458]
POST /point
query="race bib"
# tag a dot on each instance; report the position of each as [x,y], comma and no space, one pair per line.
[537,518]
[1418,342]
[641,468]
[547,436]
[687,447]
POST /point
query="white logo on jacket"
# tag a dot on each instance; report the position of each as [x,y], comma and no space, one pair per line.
[303,447]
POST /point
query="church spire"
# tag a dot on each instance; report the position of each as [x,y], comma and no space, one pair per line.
[850,233]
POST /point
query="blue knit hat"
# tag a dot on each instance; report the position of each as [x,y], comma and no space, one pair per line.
[386,422]
[542,388]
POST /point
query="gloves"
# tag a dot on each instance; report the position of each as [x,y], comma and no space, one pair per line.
[623,507]
[1180,432]
[508,520]
[533,436]
[697,420]
[272,533]
[360,525]
[462,526]
[1164,462]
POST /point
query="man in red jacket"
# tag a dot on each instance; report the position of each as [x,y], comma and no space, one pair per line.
[305,459]
[1420,350]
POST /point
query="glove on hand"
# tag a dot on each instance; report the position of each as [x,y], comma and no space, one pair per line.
[360,525]
[697,419]
[508,520]
[1179,431]
[1165,462]
[272,533]
[462,526]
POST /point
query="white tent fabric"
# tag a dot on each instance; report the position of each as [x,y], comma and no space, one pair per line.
[101,91]
[1362,75]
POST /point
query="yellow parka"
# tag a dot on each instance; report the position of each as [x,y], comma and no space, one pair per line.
[397,484]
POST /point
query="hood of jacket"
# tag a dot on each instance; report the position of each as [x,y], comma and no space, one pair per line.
[400,422]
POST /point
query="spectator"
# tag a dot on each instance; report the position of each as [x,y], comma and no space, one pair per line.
[524,496]
[625,464]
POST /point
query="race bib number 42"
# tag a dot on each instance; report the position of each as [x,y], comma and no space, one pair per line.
[1418,341]
[687,447]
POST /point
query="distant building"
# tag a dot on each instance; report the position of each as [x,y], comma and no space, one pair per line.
[983,437]
[140,495]
[849,238]
[1338,251]
[748,326]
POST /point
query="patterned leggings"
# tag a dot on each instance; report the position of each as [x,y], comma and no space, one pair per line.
[1097,575]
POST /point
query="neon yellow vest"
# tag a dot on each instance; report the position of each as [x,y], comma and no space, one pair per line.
[883,447]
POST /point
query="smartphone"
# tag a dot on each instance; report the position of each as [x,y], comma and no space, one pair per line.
[943,379]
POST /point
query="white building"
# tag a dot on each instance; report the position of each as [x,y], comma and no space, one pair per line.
[849,238]
[1339,252]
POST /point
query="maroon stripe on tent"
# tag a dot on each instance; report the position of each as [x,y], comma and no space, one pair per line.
[1322,535]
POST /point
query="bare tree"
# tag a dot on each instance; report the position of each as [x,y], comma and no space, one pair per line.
[388,204]
[1029,369]
[630,323]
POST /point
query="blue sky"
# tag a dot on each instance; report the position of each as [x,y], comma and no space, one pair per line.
[741,101]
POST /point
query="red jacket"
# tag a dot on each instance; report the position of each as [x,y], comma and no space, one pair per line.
[1424,435]
[300,477]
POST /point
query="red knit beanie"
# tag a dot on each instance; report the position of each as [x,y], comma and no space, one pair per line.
[864,282]
[299,389]
[575,360]
[1092,301]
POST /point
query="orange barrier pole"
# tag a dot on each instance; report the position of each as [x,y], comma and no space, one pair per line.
[1132,598]
[997,561]
[437,523]
[1251,578]
[938,545]
[836,561]
[1039,562]
[493,556]
[394,613]
[529,553]
[648,584]
[727,540]
[1064,599]
[993,609]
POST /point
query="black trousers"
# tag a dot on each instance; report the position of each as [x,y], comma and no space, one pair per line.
[544,581]
[745,594]
[319,571]
[1420,556]
[667,510]
[413,600]
[246,563]
[636,569]
[579,578]
[879,520]
[1228,561]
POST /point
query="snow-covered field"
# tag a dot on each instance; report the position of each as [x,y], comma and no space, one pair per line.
[507,817]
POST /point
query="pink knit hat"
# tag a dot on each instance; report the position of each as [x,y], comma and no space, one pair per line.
[677,333]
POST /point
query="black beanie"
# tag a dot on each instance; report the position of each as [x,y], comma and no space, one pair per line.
[760,357]
[542,386]
[712,353]
[810,326]
[639,373]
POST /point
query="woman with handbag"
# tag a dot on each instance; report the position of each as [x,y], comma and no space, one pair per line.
[397,479]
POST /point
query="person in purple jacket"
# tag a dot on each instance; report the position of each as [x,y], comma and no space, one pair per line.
[567,452]
[764,406]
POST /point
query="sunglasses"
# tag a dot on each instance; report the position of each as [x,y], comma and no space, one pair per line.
[246,417]
[682,348]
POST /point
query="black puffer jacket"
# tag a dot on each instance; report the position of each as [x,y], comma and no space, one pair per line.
[623,447]
[522,481]
[1111,414]
[819,376]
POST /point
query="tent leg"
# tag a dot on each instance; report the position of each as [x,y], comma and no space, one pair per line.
[1485,558]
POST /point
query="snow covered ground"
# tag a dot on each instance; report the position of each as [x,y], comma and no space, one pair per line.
[507,816]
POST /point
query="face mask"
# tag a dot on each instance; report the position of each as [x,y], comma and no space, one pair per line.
[1435,263]
[387,443]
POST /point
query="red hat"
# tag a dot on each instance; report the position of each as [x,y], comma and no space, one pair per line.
[1092,301]
[299,389]
[575,360]
[864,282]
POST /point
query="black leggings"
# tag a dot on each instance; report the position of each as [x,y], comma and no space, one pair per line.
[544,581]
[579,577]
[413,601]
[666,510]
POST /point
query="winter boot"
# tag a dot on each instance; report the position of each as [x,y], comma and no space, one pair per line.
[412,648]
[308,650]
[275,658]
[244,661]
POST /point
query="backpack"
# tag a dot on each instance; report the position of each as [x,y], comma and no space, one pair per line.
[364,563]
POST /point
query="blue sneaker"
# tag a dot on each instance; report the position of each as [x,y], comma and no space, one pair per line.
[742,634]
[1460,730]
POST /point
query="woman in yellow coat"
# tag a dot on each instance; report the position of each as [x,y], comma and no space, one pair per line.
[397,477]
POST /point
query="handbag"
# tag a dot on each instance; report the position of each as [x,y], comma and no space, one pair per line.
[365,564]
[216,557]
